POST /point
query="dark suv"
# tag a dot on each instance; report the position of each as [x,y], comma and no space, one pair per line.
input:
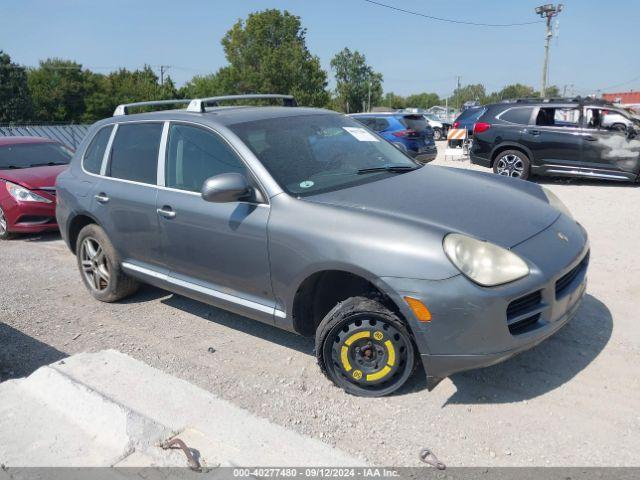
[555,137]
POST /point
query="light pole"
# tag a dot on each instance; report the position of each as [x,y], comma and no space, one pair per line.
[547,11]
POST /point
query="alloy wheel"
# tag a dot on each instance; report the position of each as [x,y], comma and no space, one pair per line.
[95,266]
[510,165]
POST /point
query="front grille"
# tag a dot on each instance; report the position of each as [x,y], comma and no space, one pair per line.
[34,220]
[565,281]
[524,304]
[523,325]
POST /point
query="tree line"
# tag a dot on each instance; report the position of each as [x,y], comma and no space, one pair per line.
[266,53]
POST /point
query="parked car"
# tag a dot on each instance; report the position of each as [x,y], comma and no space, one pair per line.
[468,118]
[618,120]
[556,138]
[303,219]
[440,128]
[409,132]
[28,170]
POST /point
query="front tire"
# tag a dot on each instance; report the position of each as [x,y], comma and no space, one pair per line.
[5,234]
[512,163]
[364,348]
[100,267]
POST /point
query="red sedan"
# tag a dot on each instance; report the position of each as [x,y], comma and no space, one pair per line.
[29,167]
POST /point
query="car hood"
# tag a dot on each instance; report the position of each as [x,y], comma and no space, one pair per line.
[486,206]
[34,178]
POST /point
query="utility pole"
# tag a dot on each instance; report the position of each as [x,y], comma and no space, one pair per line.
[369,98]
[163,68]
[458,89]
[547,11]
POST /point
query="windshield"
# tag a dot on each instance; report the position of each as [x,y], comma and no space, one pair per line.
[311,154]
[25,155]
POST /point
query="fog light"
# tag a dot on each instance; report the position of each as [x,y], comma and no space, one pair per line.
[420,310]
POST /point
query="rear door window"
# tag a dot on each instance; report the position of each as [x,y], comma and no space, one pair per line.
[518,115]
[134,155]
[559,117]
[92,161]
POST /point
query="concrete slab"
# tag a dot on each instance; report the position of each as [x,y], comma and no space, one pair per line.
[105,408]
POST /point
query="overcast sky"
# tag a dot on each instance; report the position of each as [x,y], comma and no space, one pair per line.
[597,48]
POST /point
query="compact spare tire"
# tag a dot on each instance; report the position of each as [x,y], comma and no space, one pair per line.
[364,348]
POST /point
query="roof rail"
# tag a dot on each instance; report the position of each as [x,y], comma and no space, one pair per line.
[579,100]
[124,108]
[199,104]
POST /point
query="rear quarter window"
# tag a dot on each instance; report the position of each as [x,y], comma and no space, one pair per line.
[92,161]
[517,115]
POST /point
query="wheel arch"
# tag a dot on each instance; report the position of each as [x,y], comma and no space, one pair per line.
[322,289]
[497,150]
[76,223]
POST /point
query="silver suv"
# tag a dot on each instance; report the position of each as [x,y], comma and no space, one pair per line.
[303,219]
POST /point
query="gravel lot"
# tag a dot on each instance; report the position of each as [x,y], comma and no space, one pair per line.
[572,401]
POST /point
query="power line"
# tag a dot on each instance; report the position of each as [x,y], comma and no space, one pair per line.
[449,20]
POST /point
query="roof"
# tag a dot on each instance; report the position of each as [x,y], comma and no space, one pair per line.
[383,114]
[4,141]
[221,115]
[623,97]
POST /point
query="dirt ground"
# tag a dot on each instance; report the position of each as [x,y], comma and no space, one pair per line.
[572,401]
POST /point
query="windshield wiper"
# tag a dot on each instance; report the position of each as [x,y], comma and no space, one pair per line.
[10,167]
[388,168]
[47,164]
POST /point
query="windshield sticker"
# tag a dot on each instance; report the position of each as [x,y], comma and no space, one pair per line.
[361,134]
[306,184]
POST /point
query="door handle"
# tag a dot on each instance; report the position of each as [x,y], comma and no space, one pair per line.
[535,133]
[101,197]
[166,212]
[591,138]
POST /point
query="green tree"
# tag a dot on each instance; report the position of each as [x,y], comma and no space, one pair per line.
[15,100]
[57,90]
[105,92]
[391,100]
[423,100]
[510,92]
[357,85]
[475,92]
[267,53]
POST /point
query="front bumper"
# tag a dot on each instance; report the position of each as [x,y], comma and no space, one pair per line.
[475,327]
[29,217]
[424,154]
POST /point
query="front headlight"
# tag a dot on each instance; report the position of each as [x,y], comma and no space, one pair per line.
[24,195]
[556,203]
[482,262]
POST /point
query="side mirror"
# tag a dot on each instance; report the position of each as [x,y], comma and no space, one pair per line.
[226,187]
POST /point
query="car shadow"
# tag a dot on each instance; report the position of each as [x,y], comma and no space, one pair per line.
[21,355]
[242,324]
[37,237]
[543,368]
